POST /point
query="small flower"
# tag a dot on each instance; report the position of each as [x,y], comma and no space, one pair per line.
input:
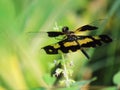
[56,26]
[65,74]
[55,62]
[58,72]
[71,63]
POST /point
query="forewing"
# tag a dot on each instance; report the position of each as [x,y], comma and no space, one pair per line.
[54,34]
[86,28]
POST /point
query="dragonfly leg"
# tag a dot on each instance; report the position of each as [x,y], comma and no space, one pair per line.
[85,53]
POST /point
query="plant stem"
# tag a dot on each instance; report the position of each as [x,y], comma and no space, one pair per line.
[65,72]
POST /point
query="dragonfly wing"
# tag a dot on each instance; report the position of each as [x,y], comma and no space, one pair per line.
[66,46]
[86,28]
[54,34]
[93,41]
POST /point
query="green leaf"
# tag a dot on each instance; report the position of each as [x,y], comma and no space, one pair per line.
[110,88]
[82,83]
[70,88]
[116,78]
[48,79]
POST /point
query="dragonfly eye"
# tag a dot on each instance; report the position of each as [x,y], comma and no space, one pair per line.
[65,29]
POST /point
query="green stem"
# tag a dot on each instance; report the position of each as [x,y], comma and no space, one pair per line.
[65,72]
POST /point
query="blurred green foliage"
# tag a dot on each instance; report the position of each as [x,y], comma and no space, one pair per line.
[24,66]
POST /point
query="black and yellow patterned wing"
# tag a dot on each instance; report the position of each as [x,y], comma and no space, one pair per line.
[66,46]
[93,41]
[85,28]
[77,31]
[54,34]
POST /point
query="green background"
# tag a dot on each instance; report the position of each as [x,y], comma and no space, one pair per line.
[24,66]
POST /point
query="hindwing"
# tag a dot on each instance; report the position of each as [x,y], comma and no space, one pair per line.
[66,46]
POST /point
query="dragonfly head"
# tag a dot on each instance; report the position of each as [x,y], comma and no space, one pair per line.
[65,29]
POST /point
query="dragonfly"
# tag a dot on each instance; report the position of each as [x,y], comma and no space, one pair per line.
[73,41]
